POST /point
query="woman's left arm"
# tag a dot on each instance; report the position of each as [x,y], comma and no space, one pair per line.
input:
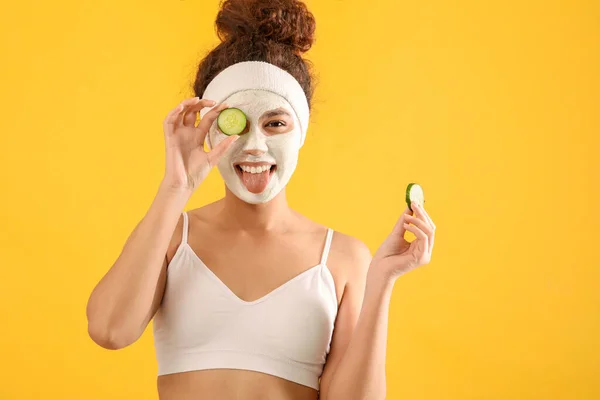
[355,368]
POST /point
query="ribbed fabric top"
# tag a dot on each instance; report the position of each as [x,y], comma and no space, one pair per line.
[202,324]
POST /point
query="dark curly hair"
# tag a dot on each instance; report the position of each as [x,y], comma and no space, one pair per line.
[274,31]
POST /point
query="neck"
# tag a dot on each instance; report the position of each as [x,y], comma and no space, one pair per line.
[271,216]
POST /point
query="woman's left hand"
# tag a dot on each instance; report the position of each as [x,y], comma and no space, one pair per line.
[396,256]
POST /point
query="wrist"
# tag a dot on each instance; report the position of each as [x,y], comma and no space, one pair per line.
[174,189]
[379,282]
[381,274]
[172,196]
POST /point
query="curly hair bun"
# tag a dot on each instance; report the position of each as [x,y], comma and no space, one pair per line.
[287,22]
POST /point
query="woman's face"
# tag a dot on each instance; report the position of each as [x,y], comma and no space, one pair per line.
[261,162]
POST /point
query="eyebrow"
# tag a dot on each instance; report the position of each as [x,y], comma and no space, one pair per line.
[274,113]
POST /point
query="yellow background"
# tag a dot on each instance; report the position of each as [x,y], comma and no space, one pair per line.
[492,106]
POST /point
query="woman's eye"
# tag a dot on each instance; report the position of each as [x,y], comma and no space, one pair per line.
[276,124]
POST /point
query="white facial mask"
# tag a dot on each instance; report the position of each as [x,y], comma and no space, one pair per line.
[258,145]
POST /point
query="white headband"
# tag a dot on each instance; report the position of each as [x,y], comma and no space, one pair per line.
[259,75]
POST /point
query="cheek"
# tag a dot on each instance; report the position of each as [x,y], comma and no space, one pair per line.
[285,147]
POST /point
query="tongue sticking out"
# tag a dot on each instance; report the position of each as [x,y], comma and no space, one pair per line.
[256,183]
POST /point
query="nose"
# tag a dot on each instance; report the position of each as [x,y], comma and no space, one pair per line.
[254,152]
[256,144]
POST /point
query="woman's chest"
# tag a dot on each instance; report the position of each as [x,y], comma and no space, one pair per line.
[251,267]
[204,312]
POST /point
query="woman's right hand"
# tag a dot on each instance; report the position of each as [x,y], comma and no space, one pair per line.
[187,164]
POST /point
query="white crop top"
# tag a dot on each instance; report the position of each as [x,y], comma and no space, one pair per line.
[201,324]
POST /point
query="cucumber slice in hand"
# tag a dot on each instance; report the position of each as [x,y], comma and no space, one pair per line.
[414,192]
[232,121]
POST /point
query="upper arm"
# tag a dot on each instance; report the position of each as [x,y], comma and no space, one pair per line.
[107,325]
[158,293]
[162,278]
[356,266]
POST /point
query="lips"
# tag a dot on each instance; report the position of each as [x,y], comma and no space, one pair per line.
[255,176]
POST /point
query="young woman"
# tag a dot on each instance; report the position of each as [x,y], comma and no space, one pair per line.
[250,299]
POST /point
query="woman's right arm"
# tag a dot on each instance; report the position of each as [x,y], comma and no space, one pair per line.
[127,297]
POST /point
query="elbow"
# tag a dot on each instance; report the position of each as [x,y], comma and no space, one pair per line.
[106,332]
[108,338]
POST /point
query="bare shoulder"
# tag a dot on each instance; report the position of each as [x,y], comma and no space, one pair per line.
[348,261]
[349,254]
[194,216]
[346,252]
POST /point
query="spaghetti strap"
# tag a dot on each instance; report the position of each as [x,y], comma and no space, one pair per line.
[327,246]
[184,234]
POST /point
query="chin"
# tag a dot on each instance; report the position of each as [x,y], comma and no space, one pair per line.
[240,191]
[254,198]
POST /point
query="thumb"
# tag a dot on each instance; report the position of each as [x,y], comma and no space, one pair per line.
[217,152]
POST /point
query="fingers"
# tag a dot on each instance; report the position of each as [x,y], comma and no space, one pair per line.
[418,211]
[191,113]
[422,225]
[420,235]
[185,112]
[174,115]
[215,154]
[424,218]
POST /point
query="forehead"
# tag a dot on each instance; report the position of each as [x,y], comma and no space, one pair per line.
[256,102]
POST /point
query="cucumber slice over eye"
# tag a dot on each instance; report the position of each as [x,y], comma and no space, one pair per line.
[232,121]
[414,192]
